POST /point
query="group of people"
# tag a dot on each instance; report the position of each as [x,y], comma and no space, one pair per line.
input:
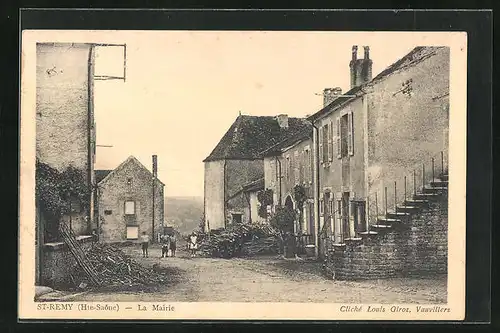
[169,245]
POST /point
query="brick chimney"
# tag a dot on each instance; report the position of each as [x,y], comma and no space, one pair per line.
[330,94]
[282,120]
[361,69]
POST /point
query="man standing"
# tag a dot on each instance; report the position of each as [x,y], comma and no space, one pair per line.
[173,244]
[144,244]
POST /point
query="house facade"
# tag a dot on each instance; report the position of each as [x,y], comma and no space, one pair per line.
[65,139]
[288,169]
[65,126]
[130,201]
[237,160]
[380,142]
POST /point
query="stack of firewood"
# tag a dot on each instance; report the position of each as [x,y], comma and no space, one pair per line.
[238,240]
[115,268]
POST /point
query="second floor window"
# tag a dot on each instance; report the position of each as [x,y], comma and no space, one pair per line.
[129,207]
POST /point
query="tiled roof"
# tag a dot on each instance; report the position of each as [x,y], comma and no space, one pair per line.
[280,146]
[415,56]
[249,136]
[100,174]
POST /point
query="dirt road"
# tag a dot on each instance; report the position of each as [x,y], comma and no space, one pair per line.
[268,279]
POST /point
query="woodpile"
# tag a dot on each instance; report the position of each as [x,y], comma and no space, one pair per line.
[240,240]
[115,269]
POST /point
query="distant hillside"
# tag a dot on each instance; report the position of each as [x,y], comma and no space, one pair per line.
[183,213]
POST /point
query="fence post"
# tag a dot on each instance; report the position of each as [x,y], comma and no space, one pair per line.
[385,196]
[367,217]
[432,169]
[414,182]
[423,176]
[405,189]
[395,196]
[376,206]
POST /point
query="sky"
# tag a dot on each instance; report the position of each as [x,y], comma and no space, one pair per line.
[184,89]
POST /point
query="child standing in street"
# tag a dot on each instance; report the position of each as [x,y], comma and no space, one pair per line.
[165,246]
[144,244]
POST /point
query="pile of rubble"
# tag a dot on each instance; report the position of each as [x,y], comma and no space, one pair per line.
[240,240]
[115,269]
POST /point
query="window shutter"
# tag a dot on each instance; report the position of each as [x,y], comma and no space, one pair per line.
[339,146]
[321,207]
[350,134]
[330,141]
[296,167]
[320,150]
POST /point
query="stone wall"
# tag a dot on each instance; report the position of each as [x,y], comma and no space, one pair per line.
[58,261]
[418,247]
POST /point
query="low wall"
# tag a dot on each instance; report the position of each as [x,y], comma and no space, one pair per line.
[58,261]
[418,247]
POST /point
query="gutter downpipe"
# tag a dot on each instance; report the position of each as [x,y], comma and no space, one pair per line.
[316,187]
[279,178]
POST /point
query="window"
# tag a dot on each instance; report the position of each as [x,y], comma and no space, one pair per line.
[237,218]
[339,142]
[108,212]
[325,143]
[321,207]
[132,232]
[307,165]
[129,181]
[320,148]
[350,134]
[344,136]
[129,207]
[330,142]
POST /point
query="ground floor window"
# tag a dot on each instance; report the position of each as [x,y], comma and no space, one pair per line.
[237,218]
[132,232]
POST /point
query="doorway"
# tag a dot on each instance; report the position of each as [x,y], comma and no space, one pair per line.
[345,212]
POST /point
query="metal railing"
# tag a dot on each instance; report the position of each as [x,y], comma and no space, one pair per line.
[390,194]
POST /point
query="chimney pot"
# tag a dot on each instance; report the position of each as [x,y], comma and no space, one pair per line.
[354,52]
[367,52]
[330,94]
[282,120]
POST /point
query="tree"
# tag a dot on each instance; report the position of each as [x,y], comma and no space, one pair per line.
[299,193]
[283,220]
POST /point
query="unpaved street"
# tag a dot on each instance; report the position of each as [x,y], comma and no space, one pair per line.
[267,279]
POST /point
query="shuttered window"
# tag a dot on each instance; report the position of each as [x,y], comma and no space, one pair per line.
[350,134]
[296,167]
[330,141]
[320,138]
[339,145]
[325,143]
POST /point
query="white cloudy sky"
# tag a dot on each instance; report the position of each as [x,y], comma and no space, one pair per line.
[184,89]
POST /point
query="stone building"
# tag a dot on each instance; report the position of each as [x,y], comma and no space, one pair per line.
[65,127]
[126,206]
[65,136]
[288,167]
[236,161]
[381,146]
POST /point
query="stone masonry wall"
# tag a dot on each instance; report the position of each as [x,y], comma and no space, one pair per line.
[59,261]
[416,248]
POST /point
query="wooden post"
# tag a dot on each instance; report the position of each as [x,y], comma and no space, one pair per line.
[385,197]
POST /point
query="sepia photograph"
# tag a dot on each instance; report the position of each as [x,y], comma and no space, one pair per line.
[196,174]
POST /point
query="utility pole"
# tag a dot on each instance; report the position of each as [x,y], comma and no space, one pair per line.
[155,171]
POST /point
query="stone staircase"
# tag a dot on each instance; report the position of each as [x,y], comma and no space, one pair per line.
[410,240]
[404,212]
